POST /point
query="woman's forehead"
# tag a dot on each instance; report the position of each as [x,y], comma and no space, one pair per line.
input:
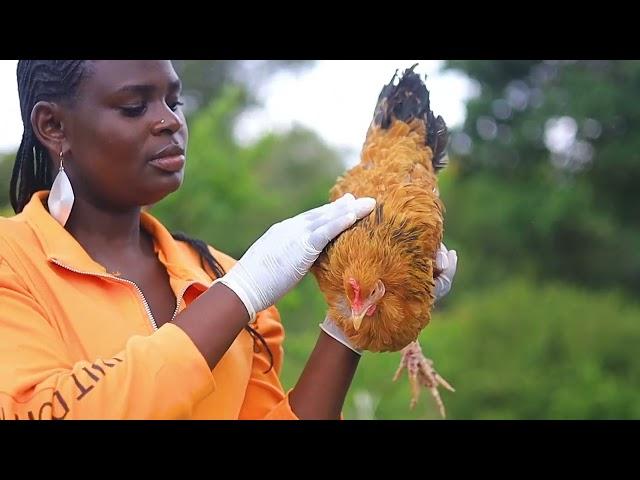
[111,75]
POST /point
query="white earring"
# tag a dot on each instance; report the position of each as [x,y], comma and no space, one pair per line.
[61,196]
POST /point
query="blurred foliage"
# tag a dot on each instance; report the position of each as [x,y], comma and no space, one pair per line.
[519,350]
[245,189]
[6,167]
[540,197]
[203,80]
[558,207]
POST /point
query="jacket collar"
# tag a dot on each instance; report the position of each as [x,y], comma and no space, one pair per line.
[61,247]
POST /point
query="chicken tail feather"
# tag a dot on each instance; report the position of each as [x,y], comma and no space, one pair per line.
[409,99]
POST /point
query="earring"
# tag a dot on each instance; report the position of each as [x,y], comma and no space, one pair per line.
[61,196]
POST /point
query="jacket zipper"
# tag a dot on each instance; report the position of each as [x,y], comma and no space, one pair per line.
[123,280]
[179,301]
[103,275]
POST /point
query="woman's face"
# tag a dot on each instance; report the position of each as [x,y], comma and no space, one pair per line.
[126,135]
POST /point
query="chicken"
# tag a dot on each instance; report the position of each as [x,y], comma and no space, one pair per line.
[378,276]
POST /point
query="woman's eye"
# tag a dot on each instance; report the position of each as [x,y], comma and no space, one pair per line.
[134,110]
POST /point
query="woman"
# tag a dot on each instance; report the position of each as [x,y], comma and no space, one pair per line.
[105,314]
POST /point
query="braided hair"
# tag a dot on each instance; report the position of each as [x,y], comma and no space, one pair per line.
[58,80]
[38,80]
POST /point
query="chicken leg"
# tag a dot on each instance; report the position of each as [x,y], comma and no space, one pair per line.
[421,373]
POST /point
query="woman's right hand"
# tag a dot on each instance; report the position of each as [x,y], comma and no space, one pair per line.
[279,259]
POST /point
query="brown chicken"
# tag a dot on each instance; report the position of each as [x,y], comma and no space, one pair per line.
[378,276]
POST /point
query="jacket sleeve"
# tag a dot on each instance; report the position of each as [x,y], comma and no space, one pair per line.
[265,398]
[160,376]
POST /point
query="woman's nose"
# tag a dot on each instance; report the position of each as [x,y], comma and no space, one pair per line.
[167,121]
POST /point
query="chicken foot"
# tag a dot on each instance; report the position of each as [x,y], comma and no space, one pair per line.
[421,373]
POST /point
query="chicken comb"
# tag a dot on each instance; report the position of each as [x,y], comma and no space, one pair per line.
[409,99]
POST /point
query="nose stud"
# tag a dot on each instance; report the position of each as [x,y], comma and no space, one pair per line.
[162,121]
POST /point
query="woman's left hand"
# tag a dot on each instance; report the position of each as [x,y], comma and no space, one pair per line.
[447,263]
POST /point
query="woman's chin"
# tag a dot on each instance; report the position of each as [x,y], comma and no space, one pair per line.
[165,187]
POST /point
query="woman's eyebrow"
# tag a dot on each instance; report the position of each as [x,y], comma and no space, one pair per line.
[146,89]
[140,89]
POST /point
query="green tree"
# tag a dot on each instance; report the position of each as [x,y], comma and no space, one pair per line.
[517,199]
[232,194]
[203,80]
[520,350]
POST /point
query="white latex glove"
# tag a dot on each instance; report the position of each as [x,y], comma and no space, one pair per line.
[279,259]
[446,260]
[333,330]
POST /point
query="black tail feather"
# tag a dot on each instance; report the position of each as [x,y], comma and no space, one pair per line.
[409,99]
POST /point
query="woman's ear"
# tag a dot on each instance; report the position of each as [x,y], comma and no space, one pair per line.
[46,121]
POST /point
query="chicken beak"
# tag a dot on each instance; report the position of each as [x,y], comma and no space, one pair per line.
[356,318]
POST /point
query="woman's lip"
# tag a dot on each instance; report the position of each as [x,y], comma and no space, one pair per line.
[172,163]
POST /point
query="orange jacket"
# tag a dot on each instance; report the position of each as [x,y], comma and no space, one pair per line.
[77,342]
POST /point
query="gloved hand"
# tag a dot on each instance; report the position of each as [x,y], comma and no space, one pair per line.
[446,261]
[279,259]
[333,330]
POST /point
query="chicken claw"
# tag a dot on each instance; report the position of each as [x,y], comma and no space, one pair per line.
[421,373]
